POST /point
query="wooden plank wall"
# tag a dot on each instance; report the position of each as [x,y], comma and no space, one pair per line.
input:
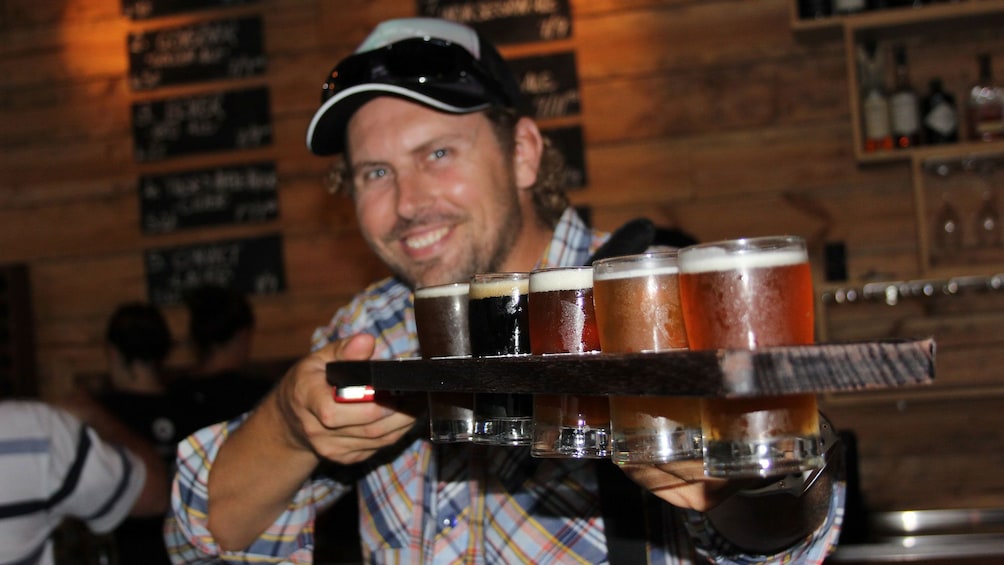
[708,115]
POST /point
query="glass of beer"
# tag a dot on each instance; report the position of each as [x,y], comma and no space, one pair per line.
[499,324]
[562,320]
[637,302]
[441,322]
[745,294]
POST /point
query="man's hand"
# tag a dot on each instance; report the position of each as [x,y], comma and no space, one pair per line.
[345,433]
[683,484]
[266,460]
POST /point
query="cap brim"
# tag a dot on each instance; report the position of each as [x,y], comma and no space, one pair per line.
[326,133]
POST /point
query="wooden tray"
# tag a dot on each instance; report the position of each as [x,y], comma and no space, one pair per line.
[836,367]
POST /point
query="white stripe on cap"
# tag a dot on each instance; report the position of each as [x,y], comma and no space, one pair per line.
[392,31]
[390,89]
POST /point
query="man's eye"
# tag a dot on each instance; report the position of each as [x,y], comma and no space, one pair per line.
[374,174]
[438,154]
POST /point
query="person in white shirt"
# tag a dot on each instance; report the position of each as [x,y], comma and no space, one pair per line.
[52,466]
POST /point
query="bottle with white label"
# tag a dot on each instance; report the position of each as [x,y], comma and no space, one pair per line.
[941,115]
[874,101]
[904,106]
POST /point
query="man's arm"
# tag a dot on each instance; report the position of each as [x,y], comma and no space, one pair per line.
[265,462]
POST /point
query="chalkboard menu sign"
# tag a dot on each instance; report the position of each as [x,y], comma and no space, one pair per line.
[569,141]
[252,265]
[223,195]
[142,9]
[506,21]
[205,51]
[236,119]
[550,83]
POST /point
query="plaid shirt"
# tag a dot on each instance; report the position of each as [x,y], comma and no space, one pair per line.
[457,503]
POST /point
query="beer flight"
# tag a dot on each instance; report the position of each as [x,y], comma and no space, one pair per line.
[739,294]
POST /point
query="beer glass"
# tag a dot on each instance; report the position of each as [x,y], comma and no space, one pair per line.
[500,325]
[637,302]
[745,294]
[562,320]
[441,322]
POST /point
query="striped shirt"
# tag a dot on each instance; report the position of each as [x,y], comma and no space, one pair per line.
[53,467]
[458,503]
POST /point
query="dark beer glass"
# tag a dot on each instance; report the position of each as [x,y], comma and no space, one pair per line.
[562,320]
[637,302]
[745,294]
[499,324]
[441,321]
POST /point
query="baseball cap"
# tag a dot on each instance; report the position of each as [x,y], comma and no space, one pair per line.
[441,64]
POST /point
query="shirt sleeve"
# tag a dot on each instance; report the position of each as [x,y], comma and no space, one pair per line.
[290,539]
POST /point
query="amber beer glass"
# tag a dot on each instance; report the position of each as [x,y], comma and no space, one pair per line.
[441,323]
[562,320]
[499,325]
[637,301]
[745,294]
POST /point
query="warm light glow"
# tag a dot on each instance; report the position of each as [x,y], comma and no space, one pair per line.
[909,521]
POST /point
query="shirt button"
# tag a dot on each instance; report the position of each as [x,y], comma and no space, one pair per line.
[449,522]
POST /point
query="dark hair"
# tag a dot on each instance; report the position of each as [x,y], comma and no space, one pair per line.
[216,314]
[549,192]
[138,331]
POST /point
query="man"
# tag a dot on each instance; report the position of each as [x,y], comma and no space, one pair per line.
[53,467]
[449,177]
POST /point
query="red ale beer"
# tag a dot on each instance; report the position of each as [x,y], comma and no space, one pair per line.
[499,324]
[637,301]
[562,320]
[441,320]
[746,294]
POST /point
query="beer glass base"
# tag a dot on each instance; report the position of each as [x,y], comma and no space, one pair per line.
[574,442]
[757,459]
[504,431]
[451,431]
[646,446]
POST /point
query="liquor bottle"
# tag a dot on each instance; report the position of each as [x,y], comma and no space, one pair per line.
[814,9]
[848,6]
[904,106]
[985,106]
[874,102]
[941,116]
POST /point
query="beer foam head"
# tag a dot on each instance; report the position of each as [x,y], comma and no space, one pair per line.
[703,259]
[548,280]
[633,266]
[441,290]
[505,284]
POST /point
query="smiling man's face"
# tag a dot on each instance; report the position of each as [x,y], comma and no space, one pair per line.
[435,195]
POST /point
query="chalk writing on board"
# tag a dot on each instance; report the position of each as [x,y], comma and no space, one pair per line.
[506,21]
[570,143]
[142,9]
[205,51]
[253,265]
[224,195]
[235,119]
[549,82]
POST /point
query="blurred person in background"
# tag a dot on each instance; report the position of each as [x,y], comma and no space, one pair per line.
[221,327]
[54,467]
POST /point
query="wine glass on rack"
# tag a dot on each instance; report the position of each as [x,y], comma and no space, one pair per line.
[947,223]
[987,219]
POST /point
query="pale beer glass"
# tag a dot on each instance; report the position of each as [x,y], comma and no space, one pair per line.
[499,325]
[441,323]
[562,321]
[745,294]
[637,301]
